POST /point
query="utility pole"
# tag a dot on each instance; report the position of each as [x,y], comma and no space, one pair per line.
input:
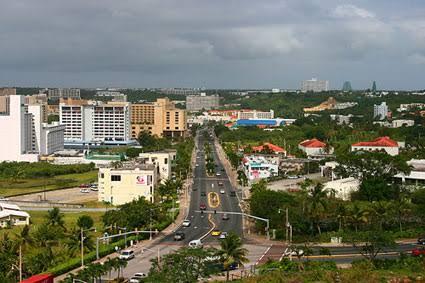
[20,262]
[286,225]
[82,248]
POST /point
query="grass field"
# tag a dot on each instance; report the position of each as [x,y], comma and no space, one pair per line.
[9,187]
[70,218]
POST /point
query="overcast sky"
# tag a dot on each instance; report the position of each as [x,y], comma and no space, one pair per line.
[212,43]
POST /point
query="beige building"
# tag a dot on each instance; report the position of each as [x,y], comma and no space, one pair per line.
[160,118]
[162,161]
[127,183]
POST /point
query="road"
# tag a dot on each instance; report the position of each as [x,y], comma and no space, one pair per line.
[200,224]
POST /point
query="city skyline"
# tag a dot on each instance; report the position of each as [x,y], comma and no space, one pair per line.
[222,44]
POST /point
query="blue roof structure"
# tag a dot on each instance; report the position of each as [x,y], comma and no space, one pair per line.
[257,122]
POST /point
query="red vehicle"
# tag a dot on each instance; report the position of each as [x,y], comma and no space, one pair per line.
[84,186]
[39,278]
[202,206]
[418,251]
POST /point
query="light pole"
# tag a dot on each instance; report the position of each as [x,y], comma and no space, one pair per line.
[158,255]
[82,243]
[125,234]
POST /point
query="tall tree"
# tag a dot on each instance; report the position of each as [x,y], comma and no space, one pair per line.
[317,205]
[55,217]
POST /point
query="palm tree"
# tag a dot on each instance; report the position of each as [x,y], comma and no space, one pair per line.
[358,215]
[73,242]
[232,252]
[318,204]
[55,218]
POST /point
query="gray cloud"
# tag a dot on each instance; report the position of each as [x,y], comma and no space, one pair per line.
[233,43]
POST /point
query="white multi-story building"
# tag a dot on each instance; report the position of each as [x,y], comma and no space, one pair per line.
[254,114]
[342,188]
[380,111]
[58,93]
[25,136]
[314,85]
[259,167]
[89,121]
[130,182]
[202,102]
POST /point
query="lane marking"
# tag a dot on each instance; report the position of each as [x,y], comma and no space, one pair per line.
[213,227]
[267,250]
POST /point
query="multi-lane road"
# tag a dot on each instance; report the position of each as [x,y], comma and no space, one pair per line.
[203,185]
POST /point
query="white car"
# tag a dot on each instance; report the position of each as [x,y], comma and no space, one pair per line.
[137,277]
[293,252]
[186,223]
[292,177]
[197,165]
[127,254]
[217,174]
[223,235]
[222,191]
[196,244]
[85,191]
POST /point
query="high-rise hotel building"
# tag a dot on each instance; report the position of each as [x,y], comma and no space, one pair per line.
[95,122]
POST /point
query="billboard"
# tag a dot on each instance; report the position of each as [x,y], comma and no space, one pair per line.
[142,180]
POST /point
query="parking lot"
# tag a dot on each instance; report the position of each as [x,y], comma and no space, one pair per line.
[72,195]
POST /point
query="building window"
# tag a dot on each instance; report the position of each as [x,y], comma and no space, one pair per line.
[102,175]
[165,160]
[116,178]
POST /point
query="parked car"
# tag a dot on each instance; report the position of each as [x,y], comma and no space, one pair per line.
[178,236]
[223,235]
[225,216]
[418,251]
[421,241]
[218,174]
[195,244]
[127,254]
[202,206]
[292,251]
[293,177]
[222,191]
[220,183]
[84,191]
[137,277]
[84,186]
[186,223]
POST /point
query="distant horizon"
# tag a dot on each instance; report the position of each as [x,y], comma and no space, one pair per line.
[240,44]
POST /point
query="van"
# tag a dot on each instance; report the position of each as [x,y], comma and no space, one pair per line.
[195,244]
[126,254]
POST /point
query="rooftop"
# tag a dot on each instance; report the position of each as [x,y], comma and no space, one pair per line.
[271,146]
[378,142]
[313,143]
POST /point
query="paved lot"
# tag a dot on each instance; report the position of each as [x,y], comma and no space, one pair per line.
[72,195]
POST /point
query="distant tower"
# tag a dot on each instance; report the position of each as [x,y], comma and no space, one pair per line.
[374,86]
[346,86]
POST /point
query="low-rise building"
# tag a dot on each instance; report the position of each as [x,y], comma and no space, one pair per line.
[342,188]
[379,144]
[260,167]
[416,177]
[126,183]
[162,161]
[264,123]
[402,123]
[12,215]
[202,102]
[314,147]
[269,148]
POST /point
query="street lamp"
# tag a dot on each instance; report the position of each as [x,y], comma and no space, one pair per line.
[82,243]
[158,255]
[125,234]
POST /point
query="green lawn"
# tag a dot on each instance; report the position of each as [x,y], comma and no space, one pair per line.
[10,187]
[70,218]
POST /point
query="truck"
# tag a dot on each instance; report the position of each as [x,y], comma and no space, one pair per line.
[40,278]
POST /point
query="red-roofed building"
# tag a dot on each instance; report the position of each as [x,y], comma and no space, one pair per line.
[314,147]
[379,144]
[272,148]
